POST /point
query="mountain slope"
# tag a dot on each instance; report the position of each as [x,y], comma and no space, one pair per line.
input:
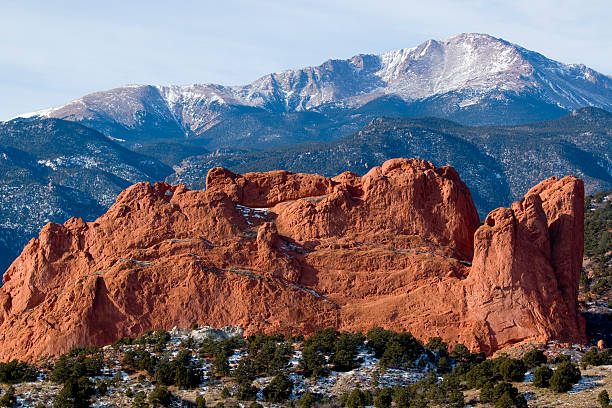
[498,163]
[470,78]
[52,169]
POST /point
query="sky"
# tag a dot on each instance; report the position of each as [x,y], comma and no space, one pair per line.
[54,51]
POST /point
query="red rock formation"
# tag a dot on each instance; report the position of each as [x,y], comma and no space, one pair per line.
[294,252]
[515,266]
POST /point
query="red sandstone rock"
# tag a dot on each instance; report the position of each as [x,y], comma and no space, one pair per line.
[266,189]
[513,268]
[295,252]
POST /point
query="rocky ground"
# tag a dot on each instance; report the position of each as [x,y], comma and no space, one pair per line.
[368,375]
[334,384]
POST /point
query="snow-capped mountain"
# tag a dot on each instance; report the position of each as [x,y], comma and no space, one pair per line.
[470,78]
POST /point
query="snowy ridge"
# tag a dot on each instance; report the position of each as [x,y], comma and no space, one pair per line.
[466,66]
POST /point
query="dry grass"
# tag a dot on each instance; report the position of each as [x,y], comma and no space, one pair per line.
[584,395]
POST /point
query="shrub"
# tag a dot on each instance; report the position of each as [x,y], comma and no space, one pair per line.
[8,399]
[312,363]
[160,396]
[307,400]
[180,371]
[564,377]
[76,392]
[140,400]
[272,358]
[200,402]
[444,365]
[342,349]
[78,362]
[604,399]
[451,382]
[461,353]
[461,368]
[322,340]
[187,377]
[295,339]
[436,345]
[357,399]
[102,387]
[395,350]
[139,359]
[257,341]
[377,339]
[541,377]
[483,373]
[345,351]
[279,389]
[430,391]
[16,372]
[245,371]
[486,393]
[375,378]
[123,341]
[401,350]
[221,365]
[512,369]
[505,401]
[153,338]
[384,398]
[456,399]
[591,357]
[210,348]
[394,356]
[502,395]
[246,392]
[562,358]
[596,358]
[403,396]
[186,372]
[225,393]
[343,360]
[447,392]
[164,372]
[188,343]
[534,358]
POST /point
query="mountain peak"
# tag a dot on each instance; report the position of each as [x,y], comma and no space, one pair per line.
[463,37]
[461,73]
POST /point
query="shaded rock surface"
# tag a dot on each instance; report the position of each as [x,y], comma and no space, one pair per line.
[401,247]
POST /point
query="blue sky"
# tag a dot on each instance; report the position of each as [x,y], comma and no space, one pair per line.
[54,51]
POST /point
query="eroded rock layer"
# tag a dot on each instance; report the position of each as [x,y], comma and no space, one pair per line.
[401,247]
